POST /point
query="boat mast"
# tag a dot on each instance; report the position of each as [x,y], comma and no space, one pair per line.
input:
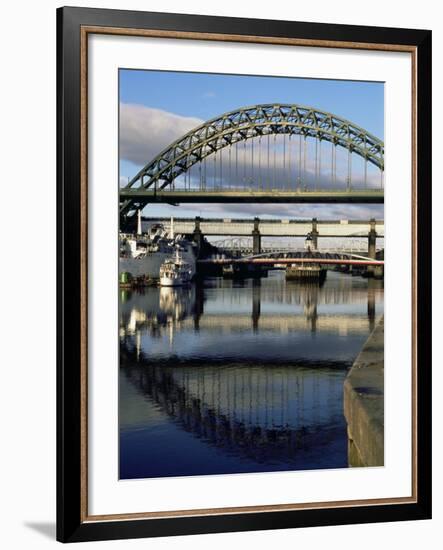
[139,222]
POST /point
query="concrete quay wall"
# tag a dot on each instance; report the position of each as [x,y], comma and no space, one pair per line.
[364,402]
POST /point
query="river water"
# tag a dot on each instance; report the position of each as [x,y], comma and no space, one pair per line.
[239,376]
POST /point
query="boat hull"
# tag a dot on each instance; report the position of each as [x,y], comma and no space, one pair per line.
[172,283]
[149,265]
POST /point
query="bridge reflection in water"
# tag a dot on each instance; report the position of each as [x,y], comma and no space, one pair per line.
[230,377]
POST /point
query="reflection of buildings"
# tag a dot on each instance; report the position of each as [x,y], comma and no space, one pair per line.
[282,309]
[264,413]
[157,308]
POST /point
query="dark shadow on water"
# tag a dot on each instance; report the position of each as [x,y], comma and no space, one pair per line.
[46,529]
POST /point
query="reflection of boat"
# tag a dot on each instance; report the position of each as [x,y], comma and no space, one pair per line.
[175,303]
[142,254]
[306,272]
[175,271]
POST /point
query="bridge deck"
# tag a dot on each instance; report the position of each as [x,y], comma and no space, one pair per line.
[269,196]
[273,228]
[289,261]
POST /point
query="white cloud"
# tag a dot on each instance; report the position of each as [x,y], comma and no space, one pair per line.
[290,211]
[144,131]
[304,211]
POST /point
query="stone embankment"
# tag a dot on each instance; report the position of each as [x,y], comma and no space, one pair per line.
[364,402]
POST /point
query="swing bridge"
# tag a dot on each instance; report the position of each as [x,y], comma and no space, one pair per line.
[281,153]
[241,246]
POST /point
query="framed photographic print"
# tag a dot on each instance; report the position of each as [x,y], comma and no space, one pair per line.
[227,190]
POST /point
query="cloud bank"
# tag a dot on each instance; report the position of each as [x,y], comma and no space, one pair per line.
[144,131]
[289,211]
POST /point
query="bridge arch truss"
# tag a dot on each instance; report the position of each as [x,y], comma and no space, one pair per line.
[243,124]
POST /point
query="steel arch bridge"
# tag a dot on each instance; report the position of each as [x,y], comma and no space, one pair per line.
[156,180]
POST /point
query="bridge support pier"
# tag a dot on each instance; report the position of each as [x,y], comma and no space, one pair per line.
[314,234]
[256,237]
[372,240]
[198,235]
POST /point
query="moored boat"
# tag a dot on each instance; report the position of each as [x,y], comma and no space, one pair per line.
[142,254]
[175,271]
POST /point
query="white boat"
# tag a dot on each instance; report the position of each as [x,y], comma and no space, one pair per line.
[142,254]
[175,271]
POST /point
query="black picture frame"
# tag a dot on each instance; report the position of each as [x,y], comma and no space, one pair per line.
[71,524]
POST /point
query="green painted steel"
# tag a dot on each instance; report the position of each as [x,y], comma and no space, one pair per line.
[241,125]
[369,196]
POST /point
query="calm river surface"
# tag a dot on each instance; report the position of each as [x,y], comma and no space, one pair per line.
[239,376]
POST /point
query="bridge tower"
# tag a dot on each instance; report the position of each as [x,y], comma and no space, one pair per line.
[372,241]
[256,237]
[198,235]
[314,234]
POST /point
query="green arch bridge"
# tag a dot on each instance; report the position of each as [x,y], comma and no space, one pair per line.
[263,153]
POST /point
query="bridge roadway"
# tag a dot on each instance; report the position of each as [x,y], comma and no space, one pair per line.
[356,196]
[272,228]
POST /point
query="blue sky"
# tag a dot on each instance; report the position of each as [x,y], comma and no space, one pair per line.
[156,106]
